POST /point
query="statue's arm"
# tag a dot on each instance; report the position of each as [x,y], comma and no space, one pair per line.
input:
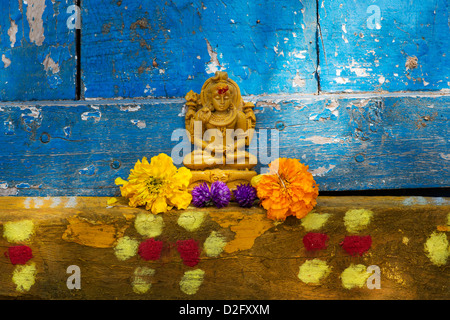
[241,131]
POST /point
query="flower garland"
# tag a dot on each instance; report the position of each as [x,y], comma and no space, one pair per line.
[288,189]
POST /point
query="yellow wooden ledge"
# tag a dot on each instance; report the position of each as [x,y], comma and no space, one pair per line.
[242,254]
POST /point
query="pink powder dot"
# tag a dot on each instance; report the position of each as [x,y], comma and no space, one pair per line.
[150,249]
[356,244]
[19,254]
[189,252]
[315,241]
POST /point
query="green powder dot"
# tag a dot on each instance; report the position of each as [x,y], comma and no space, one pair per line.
[191,281]
[24,277]
[356,220]
[126,248]
[313,271]
[149,225]
[18,231]
[354,276]
[314,221]
[437,248]
[214,244]
[142,279]
[192,220]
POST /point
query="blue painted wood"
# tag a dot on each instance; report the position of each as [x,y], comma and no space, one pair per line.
[350,142]
[37,51]
[384,45]
[136,48]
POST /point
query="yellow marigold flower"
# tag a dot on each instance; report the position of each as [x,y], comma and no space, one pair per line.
[158,185]
[287,189]
[111,201]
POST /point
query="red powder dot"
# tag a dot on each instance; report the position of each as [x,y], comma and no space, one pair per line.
[356,244]
[189,252]
[315,241]
[222,90]
[150,249]
[19,254]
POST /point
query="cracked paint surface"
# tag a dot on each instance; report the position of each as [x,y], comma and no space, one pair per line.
[35,10]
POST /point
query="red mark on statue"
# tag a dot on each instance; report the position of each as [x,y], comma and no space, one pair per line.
[222,90]
[356,244]
[189,252]
[150,249]
[19,254]
[315,241]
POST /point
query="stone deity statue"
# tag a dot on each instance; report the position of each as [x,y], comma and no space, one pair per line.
[220,125]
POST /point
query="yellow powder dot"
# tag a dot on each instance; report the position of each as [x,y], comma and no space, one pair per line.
[191,281]
[214,244]
[18,231]
[149,225]
[24,277]
[356,220]
[437,248]
[192,220]
[354,276]
[313,271]
[314,221]
[126,248]
[142,279]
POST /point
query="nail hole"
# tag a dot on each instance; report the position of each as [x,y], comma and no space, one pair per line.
[45,137]
[115,164]
[279,125]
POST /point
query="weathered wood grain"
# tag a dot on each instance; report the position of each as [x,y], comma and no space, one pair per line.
[37,49]
[384,45]
[261,258]
[359,142]
[164,49]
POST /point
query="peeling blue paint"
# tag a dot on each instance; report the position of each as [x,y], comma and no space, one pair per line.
[173,47]
[360,54]
[23,186]
[89,171]
[84,160]
[91,115]
[26,78]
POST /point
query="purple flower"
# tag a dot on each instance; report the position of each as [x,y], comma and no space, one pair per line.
[220,194]
[245,195]
[201,196]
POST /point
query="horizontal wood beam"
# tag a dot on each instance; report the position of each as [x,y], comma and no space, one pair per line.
[347,248]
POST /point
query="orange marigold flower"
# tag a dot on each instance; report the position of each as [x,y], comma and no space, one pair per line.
[287,189]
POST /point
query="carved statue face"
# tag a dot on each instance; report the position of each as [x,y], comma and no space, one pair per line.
[221,97]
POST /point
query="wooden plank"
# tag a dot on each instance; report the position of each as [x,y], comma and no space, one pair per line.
[359,142]
[384,45]
[37,49]
[241,254]
[164,49]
